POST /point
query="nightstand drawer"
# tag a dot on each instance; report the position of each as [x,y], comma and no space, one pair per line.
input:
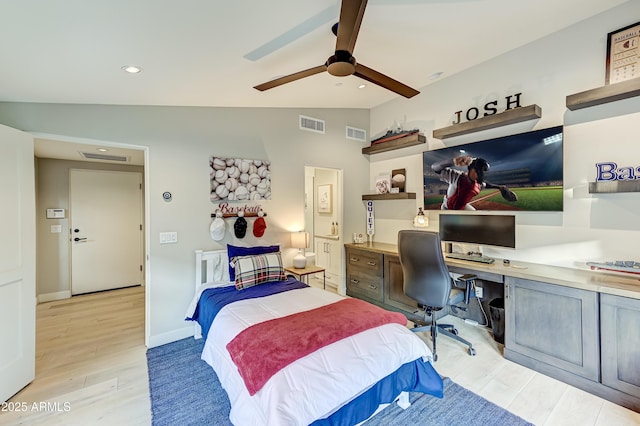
[365,260]
[359,284]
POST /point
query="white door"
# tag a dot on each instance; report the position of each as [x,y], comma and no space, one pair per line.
[106,230]
[17,262]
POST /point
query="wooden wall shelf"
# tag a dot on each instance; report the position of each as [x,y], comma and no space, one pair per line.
[398,196]
[404,142]
[605,94]
[511,116]
[614,187]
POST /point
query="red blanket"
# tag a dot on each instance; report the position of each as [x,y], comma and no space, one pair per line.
[263,349]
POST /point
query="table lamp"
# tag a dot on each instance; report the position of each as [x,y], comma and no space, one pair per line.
[420,221]
[299,240]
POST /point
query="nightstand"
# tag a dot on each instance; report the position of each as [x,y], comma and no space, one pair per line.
[301,273]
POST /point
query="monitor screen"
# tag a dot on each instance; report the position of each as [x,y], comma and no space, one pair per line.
[528,164]
[492,230]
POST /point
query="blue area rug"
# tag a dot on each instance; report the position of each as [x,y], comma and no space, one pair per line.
[186,391]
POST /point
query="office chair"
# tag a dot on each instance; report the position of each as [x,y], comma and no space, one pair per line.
[428,282]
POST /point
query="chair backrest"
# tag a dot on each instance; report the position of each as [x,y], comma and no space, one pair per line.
[426,277]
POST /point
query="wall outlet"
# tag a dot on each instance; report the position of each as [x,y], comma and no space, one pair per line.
[479,292]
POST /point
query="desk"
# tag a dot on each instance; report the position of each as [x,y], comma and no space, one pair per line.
[569,324]
[306,271]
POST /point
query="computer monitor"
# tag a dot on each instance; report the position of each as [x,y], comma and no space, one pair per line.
[482,229]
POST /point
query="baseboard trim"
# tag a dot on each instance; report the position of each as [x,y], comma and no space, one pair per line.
[59,295]
[171,336]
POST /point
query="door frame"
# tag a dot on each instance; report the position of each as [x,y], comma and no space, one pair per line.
[146,212]
[309,174]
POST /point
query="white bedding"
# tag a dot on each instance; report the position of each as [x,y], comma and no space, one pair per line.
[315,386]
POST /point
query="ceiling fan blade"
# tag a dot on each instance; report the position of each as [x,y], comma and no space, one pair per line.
[351,14]
[382,80]
[291,77]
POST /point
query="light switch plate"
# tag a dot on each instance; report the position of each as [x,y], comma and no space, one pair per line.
[56,229]
[168,237]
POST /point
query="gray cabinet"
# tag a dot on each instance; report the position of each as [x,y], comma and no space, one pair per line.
[584,338]
[620,336]
[555,325]
[364,274]
[394,285]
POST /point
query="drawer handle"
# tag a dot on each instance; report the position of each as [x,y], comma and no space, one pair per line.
[370,263]
[372,287]
[355,259]
[354,281]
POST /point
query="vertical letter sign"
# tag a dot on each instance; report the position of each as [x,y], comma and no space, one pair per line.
[370,227]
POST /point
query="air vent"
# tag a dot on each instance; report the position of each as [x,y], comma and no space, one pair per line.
[93,156]
[356,134]
[311,124]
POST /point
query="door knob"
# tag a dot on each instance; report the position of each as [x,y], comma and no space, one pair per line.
[76,239]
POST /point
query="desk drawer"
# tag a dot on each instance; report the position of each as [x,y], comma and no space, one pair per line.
[363,284]
[366,260]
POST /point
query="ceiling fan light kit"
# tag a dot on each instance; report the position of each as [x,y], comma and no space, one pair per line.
[342,63]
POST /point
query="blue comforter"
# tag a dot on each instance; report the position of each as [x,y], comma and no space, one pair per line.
[214,299]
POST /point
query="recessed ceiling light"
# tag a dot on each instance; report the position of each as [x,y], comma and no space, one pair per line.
[132,69]
[436,75]
[103,149]
[362,86]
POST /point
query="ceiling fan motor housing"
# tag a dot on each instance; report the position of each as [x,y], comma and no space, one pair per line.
[341,64]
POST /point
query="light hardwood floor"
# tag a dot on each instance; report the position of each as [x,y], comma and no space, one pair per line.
[91,355]
[91,365]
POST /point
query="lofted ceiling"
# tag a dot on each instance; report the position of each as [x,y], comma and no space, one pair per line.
[212,52]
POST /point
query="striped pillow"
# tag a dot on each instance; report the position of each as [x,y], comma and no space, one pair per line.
[258,269]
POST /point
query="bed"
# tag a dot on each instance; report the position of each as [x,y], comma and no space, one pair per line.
[283,356]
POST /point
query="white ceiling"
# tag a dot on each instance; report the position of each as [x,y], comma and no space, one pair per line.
[193,51]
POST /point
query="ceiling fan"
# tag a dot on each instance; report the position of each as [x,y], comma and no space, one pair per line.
[342,63]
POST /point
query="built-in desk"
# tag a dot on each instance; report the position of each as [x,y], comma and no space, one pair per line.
[578,326]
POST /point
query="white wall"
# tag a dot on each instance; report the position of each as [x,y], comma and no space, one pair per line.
[180,142]
[591,227]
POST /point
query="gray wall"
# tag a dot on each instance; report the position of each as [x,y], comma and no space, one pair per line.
[592,226]
[180,141]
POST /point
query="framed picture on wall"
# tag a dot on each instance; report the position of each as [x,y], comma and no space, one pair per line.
[623,54]
[324,198]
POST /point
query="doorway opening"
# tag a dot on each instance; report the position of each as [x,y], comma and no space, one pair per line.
[55,157]
[323,218]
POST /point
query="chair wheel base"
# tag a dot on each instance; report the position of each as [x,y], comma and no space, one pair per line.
[472,352]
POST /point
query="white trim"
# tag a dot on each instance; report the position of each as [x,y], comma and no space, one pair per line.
[171,336]
[58,295]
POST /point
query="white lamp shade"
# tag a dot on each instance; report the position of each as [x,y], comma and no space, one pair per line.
[299,240]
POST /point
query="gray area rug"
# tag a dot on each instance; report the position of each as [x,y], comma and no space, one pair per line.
[186,391]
